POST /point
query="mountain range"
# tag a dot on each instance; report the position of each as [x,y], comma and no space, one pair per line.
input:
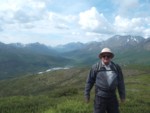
[128,50]
[17,59]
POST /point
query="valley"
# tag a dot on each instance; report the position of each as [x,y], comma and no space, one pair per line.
[36,78]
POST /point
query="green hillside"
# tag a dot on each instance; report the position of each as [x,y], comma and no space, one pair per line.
[19,61]
[61,91]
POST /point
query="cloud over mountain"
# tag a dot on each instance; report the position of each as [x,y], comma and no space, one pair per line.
[51,22]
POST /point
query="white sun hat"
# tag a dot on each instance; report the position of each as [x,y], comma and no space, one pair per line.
[106,50]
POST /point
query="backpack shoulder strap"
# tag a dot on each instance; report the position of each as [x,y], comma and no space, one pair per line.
[98,67]
[116,68]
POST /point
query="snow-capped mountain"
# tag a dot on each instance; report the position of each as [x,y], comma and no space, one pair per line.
[123,41]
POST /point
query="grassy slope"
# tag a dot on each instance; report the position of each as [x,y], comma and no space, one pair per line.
[62,92]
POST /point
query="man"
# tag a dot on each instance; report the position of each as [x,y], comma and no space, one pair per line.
[107,77]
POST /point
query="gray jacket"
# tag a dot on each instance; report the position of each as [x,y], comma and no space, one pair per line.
[106,81]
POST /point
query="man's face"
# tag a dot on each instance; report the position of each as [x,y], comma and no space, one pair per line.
[106,58]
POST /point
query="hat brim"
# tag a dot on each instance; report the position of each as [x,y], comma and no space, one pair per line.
[101,54]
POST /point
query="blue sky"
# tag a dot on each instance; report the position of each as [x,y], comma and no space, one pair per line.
[54,22]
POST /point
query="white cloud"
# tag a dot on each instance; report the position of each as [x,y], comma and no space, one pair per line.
[20,14]
[94,21]
[56,17]
[126,6]
[89,19]
[146,33]
[96,36]
[12,5]
[137,26]
[21,11]
[22,19]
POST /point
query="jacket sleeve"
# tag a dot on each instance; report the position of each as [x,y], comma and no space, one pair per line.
[121,85]
[90,82]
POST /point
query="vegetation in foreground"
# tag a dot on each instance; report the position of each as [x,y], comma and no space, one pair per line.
[62,92]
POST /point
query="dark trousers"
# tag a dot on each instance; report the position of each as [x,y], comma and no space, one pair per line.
[106,105]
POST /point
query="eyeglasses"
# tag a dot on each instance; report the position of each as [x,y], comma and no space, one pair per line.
[106,56]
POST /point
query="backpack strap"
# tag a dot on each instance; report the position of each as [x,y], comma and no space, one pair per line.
[99,65]
[116,67]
